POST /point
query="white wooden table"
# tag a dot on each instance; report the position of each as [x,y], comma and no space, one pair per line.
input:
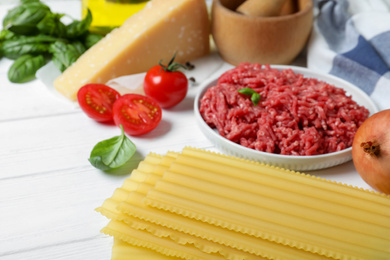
[49,190]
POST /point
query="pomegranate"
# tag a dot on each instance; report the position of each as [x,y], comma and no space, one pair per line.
[371,151]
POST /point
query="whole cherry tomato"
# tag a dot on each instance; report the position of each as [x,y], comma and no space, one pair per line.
[166,84]
[97,100]
[137,114]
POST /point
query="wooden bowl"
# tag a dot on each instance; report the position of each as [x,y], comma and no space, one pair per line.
[264,40]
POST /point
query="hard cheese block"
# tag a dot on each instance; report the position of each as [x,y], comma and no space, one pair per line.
[157,32]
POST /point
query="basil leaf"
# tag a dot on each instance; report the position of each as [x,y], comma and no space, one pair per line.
[29,1]
[51,25]
[31,28]
[91,39]
[24,18]
[247,91]
[97,162]
[255,97]
[12,14]
[65,54]
[24,68]
[18,46]
[79,47]
[112,153]
[79,28]
[6,35]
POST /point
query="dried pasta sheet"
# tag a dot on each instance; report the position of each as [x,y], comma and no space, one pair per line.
[140,181]
[171,243]
[164,246]
[124,251]
[203,205]
[138,233]
[277,205]
[152,163]
[200,232]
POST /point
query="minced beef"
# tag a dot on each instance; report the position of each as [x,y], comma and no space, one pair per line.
[295,116]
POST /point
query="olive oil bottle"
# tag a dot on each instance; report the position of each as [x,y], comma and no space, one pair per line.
[108,14]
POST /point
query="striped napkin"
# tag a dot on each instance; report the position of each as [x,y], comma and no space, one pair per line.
[351,40]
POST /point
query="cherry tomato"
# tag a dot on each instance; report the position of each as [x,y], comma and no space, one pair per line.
[167,87]
[97,100]
[137,114]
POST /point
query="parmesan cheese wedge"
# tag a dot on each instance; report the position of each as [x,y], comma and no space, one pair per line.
[157,32]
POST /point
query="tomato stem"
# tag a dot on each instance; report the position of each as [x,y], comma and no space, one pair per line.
[172,66]
[371,147]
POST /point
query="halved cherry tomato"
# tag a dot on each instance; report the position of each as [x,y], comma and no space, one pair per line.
[137,114]
[166,84]
[97,100]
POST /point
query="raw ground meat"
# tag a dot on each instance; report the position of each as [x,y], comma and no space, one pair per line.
[295,116]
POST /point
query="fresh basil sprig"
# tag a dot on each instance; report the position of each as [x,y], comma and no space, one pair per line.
[6,35]
[28,1]
[51,25]
[112,153]
[25,67]
[17,46]
[91,39]
[65,54]
[79,28]
[32,28]
[255,97]
[24,18]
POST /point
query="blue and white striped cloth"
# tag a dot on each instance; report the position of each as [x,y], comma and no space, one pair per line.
[351,40]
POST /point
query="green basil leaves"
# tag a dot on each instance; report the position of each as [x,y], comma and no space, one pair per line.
[79,28]
[17,46]
[65,54]
[33,29]
[52,25]
[24,18]
[25,67]
[112,153]
[255,97]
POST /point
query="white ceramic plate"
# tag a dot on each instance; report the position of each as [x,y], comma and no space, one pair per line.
[297,163]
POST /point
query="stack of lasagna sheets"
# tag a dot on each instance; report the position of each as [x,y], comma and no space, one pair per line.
[198,204]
